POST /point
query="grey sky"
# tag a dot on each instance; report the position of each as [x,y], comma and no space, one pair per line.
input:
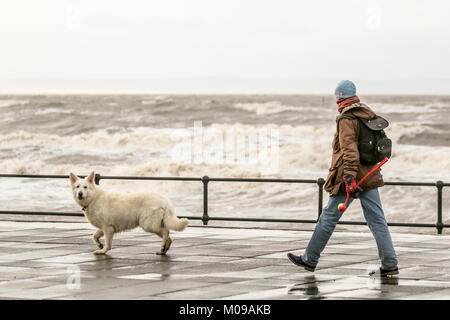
[257,39]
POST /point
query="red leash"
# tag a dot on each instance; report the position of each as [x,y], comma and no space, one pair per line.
[343,206]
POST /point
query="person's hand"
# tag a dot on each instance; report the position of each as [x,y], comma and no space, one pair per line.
[351,187]
[350,183]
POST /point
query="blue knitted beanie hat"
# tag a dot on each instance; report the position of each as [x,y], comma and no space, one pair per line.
[345,89]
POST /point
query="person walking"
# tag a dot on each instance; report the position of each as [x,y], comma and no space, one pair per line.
[345,170]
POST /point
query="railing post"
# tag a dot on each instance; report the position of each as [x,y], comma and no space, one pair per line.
[205,217]
[439,224]
[320,183]
[97,178]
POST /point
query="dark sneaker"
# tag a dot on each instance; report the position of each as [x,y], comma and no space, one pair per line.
[298,261]
[383,272]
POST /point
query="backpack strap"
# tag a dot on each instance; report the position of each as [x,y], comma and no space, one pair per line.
[346,116]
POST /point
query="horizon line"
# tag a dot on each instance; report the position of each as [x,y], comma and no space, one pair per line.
[206,93]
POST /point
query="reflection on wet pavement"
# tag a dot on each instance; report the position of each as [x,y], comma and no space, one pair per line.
[308,288]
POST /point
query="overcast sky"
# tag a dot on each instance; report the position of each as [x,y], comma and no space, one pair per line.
[253,39]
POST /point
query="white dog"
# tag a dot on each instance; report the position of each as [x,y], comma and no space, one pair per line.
[112,212]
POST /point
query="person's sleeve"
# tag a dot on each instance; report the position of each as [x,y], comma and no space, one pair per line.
[348,141]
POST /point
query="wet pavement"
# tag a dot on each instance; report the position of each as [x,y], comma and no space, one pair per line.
[43,260]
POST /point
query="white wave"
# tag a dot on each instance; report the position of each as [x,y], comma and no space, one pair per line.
[270,107]
[4,103]
[156,99]
[402,108]
[302,150]
[52,110]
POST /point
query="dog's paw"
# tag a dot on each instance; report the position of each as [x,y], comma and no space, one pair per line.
[161,253]
[99,252]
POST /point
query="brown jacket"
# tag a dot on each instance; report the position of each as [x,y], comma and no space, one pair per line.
[345,158]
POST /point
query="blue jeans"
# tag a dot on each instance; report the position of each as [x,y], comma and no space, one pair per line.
[373,213]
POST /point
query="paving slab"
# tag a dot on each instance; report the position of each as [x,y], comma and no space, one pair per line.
[44,260]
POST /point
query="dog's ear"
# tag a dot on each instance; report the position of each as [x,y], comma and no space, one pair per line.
[90,179]
[73,178]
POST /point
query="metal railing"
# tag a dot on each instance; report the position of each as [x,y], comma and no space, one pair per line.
[205,218]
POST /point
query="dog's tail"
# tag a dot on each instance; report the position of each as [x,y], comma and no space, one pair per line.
[172,222]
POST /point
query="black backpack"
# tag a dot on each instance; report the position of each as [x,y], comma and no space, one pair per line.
[373,144]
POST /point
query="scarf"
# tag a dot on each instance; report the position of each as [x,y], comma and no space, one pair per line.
[346,102]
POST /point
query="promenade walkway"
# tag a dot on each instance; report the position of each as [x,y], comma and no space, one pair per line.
[43,260]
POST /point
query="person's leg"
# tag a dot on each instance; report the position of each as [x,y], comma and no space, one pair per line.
[373,213]
[324,229]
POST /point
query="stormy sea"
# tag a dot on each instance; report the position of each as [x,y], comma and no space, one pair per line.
[191,136]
